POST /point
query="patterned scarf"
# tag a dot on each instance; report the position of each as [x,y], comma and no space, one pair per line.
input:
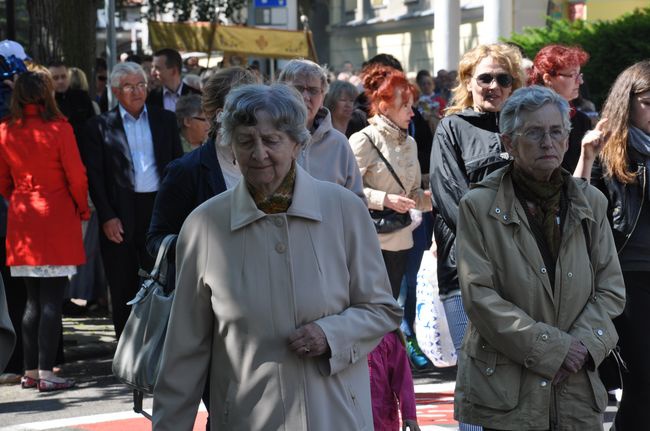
[280,200]
[403,133]
[541,201]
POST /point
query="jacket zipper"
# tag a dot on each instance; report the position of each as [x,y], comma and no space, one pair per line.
[638,215]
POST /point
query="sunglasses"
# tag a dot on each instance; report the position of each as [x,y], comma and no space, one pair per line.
[102,78]
[485,79]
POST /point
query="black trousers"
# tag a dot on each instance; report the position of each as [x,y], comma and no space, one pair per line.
[634,338]
[395,262]
[41,326]
[122,261]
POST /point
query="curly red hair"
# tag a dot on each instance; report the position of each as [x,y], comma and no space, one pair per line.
[553,58]
[381,84]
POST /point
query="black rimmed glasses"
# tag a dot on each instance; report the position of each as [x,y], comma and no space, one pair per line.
[485,79]
[572,76]
[537,134]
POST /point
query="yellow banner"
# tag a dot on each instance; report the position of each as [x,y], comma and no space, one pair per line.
[206,37]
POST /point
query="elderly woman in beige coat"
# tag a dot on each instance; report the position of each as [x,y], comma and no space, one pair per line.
[281,290]
[540,282]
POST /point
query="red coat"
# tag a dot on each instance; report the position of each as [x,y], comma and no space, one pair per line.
[44,180]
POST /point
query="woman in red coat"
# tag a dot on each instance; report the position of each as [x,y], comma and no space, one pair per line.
[44,181]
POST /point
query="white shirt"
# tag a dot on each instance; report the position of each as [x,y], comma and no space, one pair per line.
[138,136]
[171,97]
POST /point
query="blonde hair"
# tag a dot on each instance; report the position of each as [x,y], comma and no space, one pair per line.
[78,80]
[508,57]
[614,156]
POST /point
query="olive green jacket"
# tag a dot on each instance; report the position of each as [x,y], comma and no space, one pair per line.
[520,327]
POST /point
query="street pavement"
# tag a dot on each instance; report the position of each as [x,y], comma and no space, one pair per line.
[99,402]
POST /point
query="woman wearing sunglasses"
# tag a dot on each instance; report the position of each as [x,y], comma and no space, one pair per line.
[466,148]
[558,68]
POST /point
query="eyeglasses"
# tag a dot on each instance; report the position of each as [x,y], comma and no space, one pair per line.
[537,134]
[573,76]
[128,88]
[200,118]
[485,79]
[313,91]
[102,78]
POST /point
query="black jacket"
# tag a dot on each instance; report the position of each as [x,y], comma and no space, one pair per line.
[580,125]
[625,200]
[78,109]
[466,148]
[109,166]
[188,182]
[155,98]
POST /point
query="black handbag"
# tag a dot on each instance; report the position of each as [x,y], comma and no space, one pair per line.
[388,220]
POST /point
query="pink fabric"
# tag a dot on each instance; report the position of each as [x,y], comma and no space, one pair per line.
[391,384]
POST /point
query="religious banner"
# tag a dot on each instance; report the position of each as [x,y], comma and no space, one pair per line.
[206,37]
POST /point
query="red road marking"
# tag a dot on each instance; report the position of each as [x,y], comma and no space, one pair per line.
[435,408]
[139,424]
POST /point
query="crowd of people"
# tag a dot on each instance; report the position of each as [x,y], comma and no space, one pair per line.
[302,209]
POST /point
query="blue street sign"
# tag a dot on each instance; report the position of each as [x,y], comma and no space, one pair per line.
[270,3]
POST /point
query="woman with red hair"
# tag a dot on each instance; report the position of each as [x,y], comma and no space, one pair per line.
[388,160]
[558,68]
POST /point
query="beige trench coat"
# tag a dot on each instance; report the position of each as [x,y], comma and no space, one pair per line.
[245,281]
[520,328]
[377,179]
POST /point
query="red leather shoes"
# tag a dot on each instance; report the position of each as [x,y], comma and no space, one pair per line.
[27,382]
[49,386]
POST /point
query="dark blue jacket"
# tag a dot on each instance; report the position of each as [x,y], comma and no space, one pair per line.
[188,182]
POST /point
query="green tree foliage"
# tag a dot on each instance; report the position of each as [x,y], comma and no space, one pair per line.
[612,45]
[198,10]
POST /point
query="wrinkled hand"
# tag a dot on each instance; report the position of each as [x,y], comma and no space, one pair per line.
[575,359]
[411,424]
[593,141]
[309,341]
[401,204]
[113,230]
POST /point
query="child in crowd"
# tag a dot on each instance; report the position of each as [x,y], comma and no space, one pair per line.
[391,385]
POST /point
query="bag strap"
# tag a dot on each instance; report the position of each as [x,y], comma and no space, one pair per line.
[388,165]
[159,271]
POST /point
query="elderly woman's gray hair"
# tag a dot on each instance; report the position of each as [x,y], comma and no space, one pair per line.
[283,104]
[188,106]
[123,69]
[528,99]
[337,90]
[301,67]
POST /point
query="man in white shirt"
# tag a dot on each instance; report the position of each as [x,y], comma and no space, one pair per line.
[126,151]
[167,68]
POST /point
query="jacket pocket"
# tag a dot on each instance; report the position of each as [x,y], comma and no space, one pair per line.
[492,380]
[356,408]
[598,390]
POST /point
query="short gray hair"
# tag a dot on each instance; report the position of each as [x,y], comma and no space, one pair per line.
[187,106]
[337,90]
[302,67]
[123,69]
[528,99]
[283,104]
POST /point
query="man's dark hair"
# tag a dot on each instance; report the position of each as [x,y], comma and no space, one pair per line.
[385,60]
[172,58]
[135,58]
[100,64]
[56,63]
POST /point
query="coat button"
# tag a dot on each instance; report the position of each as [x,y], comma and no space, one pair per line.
[570,275]
[543,383]
[528,362]
[489,371]
[505,217]
[543,270]
[280,248]
[278,221]
[498,210]
[544,337]
[600,332]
